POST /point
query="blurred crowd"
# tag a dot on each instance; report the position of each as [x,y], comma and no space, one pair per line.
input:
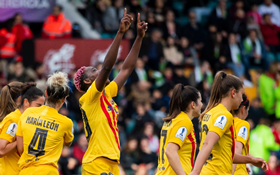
[187,42]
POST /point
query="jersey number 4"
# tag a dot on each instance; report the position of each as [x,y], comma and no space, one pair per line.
[40,134]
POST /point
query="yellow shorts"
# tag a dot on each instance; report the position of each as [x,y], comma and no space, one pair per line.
[101,166]
[39,170]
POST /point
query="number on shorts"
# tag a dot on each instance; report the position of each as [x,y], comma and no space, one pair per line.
[163,134]
[42,133]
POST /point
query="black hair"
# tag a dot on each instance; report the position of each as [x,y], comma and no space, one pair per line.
[245,102]
[30,92]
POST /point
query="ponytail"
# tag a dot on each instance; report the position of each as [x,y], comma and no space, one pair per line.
[222,85]
[8,97]
[180,100]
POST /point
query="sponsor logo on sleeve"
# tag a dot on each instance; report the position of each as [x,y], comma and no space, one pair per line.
[12,129]
[221,121]
[243,132]
[181,133]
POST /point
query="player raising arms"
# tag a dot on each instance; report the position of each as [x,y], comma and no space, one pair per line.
[178,142]
[100,112]
[42,131]
[217,149]
[242,130]
[30,97]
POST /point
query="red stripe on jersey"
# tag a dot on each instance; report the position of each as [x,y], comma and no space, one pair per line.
[113,111]
[233,141]
[18,153]
[104,109]
[248,146]
[193,147]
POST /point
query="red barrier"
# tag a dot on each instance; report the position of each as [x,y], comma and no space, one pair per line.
[68,54]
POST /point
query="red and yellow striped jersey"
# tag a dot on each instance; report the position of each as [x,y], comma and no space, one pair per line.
[100,116]
[220,121]
[180,131]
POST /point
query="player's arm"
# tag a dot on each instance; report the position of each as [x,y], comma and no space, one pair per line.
[20,144]
[69,134]
[238,150]
[211,139]
[258,162]
[173,158]
[130,61]
[68,144]
[111,56]
[6,147]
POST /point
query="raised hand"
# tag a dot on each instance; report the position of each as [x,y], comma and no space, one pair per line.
[141,27]
[125,22]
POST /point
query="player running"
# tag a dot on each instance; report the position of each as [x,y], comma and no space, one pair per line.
[42,131]
[178,142]
[217,149]
[100,112]
[30,97]
[242,130]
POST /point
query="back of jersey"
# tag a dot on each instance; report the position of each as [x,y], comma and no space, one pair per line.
[44,132]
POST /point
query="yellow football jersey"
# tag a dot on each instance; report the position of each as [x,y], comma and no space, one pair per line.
[180,131]
[220,121]
[8,129]
[100,116]
[242,130]
[44,132]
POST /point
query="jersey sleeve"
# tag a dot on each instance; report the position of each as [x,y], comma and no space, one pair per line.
[242,131]
[112,89]
[19,131]
[180,132]
[9,130]
[221,123]
[69,132]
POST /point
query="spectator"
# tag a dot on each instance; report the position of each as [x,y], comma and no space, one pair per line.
[21,31]
[256,112]
[94,15]
[232,53]
[68,165]
[18,73]
[254,14]
[239,4]
[8,39]
[277,94]
[80,148]
[170,27]
[130,157]
[139,73]
[179,76]
[273,164]
[153,138]
[262,140]
[150,18]
[172,53]
[112,16]
[268,7]
[251,25]
[270,34]
[158,101]
[266,82]
[254,53]
[194,32]
[219,17]
[116,70]
[56,25]
[189,53]
[202,73]
[238,25]
[134,7]
[159,10]
[276,130]
[152,50]
[140,93]
[148,157]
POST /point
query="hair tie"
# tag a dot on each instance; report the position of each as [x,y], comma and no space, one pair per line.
[223,75]
[244,102]
[9,86]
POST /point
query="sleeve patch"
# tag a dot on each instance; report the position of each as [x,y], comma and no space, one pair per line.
[221,121]
[12,129]
[243,132]
[181,133]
